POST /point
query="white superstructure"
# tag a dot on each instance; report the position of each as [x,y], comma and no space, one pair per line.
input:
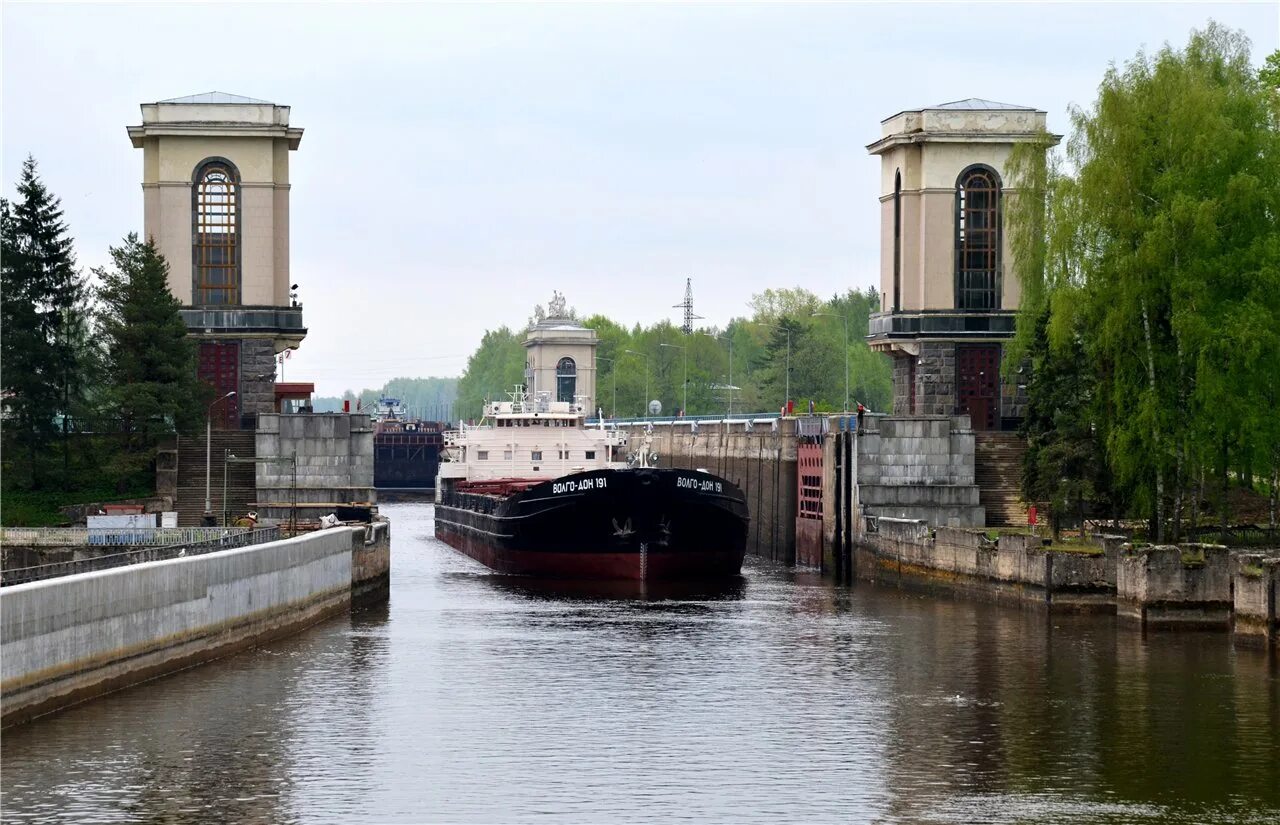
[530,438]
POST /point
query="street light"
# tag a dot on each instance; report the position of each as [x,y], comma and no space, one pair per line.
[227,456]
[208,456]
[787,330]
[844,318]
[613,413]
[727,337]
[684,401]
[644,406]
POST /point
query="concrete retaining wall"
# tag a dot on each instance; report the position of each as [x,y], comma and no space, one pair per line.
[1166,585]
[1016,568]
[68,639]
[1255,589]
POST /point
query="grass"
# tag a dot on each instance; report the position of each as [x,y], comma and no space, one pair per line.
[1193,558]
[41,508]
[1253,571]
[1082,548]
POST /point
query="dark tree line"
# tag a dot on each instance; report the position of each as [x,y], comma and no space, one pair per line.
[91,374]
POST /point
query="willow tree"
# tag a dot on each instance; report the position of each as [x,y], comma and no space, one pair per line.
[1156,250]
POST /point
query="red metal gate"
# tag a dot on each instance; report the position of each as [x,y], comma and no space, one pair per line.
[809,505]
[978,384]
[220,368]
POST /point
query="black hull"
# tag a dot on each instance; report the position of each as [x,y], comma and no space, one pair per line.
[604,524]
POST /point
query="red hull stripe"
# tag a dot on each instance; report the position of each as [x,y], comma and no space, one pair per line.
[656,565]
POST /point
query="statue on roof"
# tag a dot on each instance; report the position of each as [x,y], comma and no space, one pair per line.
[555,309]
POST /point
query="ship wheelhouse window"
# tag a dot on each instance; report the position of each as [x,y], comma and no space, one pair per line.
[537,455]
[566,379]
[506,455]
[482,455]
[591,454]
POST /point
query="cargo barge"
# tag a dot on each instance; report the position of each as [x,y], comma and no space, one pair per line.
[533,490]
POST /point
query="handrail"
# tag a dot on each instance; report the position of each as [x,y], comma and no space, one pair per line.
[231,538]
[109,536]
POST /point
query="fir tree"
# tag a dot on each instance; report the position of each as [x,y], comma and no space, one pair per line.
[44,318]
[150,360]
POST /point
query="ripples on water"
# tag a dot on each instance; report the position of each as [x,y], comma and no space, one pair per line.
[479,698]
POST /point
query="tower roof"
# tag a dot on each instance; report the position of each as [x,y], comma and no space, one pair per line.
[979,104]
[218,97]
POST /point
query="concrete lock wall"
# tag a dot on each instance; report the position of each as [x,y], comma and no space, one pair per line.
[1185,585]
[67,639]
[761,461]
[334,453]
[1255,588]
[1014,568]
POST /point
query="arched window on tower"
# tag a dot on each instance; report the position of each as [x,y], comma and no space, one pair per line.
[897,240]
[566,379]
[215,245]
[978,239]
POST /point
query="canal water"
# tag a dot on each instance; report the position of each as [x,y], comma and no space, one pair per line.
[475,698]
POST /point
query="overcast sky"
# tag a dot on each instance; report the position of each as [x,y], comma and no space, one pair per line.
[461,161]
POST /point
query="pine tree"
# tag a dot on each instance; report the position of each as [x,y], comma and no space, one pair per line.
[150,360]
[45,312]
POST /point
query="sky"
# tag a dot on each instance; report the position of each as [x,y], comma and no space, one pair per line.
[460,162]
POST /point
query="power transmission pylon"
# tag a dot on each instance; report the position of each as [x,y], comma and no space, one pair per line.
[687,306]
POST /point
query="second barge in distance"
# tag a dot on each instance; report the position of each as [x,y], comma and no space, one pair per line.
[406,450]
[533,490]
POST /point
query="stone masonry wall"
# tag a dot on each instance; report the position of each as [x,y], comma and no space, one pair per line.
[918,467]
[257,376]
[334,461]
[936,379]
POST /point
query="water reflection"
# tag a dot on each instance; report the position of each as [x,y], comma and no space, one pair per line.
[480,698]
[615,590]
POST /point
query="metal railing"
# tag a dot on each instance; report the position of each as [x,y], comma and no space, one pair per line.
[110,536]
[227,539]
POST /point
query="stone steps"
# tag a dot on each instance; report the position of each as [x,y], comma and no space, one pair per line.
[241,481]
[998,474]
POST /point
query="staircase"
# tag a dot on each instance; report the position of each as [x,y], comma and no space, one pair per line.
[998,471]
[241,489]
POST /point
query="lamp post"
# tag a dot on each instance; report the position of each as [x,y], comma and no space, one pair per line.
[684,399]
[844,318]
[644,405]
[208,455]
[227,456]
[726,337]
[613,413]
[787,330]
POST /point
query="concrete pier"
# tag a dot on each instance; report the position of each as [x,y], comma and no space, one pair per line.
[68,639]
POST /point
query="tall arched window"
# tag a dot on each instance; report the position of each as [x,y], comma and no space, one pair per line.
[978,239]
[566,379]
[215,243]
[897,240]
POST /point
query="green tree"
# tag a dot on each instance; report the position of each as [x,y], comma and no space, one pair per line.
[1064,465]
[151,362]
[44,319]
[492,370]
[1161,252]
